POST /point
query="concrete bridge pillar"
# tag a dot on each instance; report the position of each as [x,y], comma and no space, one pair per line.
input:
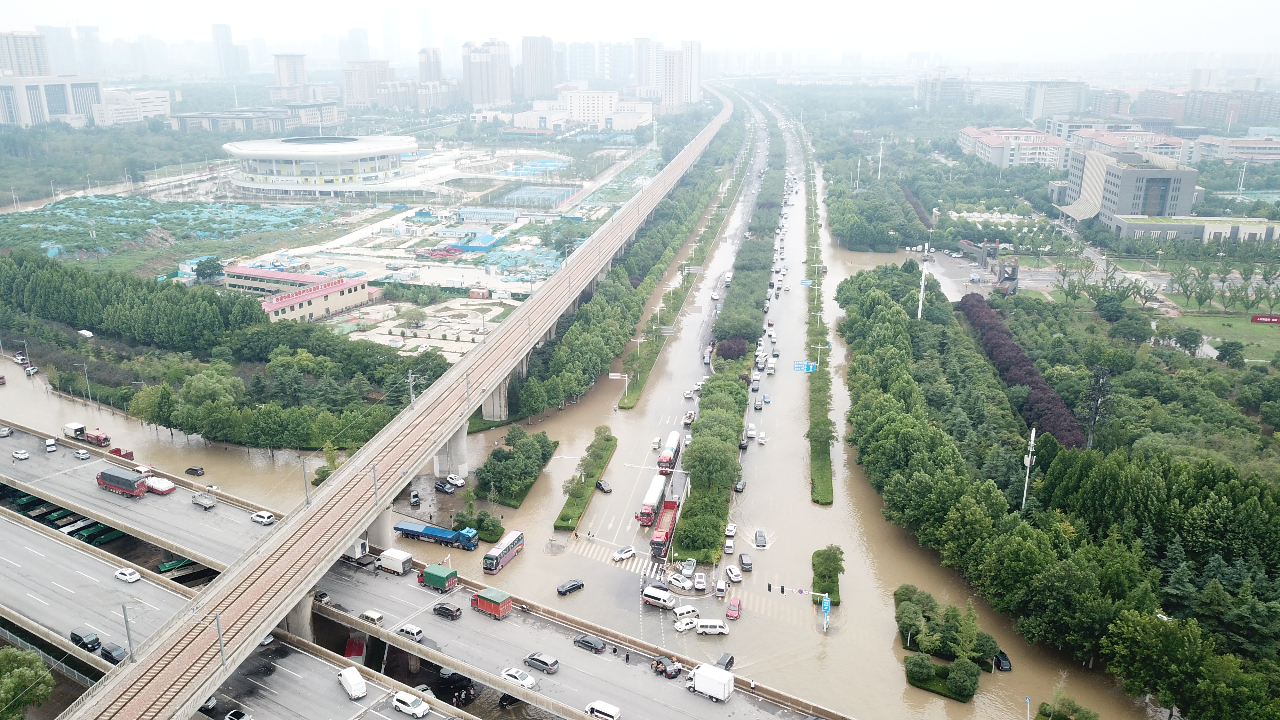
[298,621]
[458,451]
[495,406]
[382,533]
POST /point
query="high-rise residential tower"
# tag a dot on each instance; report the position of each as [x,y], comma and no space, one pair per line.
[429,69]
[486,74]
[692,70]
[25,54]
[582,61]
[539,67]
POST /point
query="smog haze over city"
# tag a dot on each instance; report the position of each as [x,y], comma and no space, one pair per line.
[757,360]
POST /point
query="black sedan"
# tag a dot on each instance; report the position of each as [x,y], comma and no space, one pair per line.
[665,667]
[444,487]
[603,486]
[195,470]
[589,642]
[447,610]
[570,586]
[740,486]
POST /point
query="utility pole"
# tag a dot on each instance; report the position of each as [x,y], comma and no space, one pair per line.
[88,395]
[881,166]
[410,387]
[128,636]
[306,486]
[222,650]
[375,482]
[1028,460]
[920,305]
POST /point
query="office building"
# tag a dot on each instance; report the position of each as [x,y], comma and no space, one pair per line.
[1033,99]
[1113,142]
[1007,147]
[1109,102]
[1063,126]
[582,61]
[939,91]
[562,62]
[319,114]
[1254,149]
[1107,186]
[27,100]
[1205,229]
[24,54]
[300,297]
[538,71]
[674,83]
[691,67]
[614,62]
[598,110]
[361,79]
[268,120]
[429,69]
[486,74]
[122,106]
[291,79]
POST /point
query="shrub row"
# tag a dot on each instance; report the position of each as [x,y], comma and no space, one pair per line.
[712,463]
[1043,407]
[580,488]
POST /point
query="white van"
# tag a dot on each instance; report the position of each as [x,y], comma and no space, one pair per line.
[373,617]
[685,611]
[353,682]
[413,632]
[658,597]
[712,627]
[51,445]
[751,430]
[603,710]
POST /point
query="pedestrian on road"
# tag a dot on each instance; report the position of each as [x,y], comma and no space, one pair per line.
[615,649]
[753,684]
[627,658]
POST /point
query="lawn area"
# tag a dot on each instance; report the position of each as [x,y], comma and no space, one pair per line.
[1261,340]
[1132,264]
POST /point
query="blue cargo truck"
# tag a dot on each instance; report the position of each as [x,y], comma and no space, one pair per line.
[465,539]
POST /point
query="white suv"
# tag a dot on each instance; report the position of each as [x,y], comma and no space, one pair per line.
[411,705]
[455,481]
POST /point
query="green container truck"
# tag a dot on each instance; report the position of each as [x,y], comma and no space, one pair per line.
[438,577]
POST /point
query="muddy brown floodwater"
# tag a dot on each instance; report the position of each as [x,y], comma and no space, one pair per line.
[855,667]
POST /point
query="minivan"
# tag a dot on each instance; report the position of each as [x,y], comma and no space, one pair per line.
[658,597]
[712,627]
[372,617]
[413,632]
[51,445]
[113,653]
[685,611]
[751,430]
[603,710]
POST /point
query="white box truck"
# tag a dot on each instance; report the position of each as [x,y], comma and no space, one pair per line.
[358,549]
[710,681]
[397,562]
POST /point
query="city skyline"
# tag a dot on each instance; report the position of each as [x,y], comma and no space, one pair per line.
[811,29]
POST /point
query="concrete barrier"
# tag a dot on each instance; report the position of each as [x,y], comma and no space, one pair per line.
[55,640]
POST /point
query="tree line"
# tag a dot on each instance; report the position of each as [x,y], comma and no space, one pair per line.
[587,342]
[508,474]
[711,460]
[1079,568]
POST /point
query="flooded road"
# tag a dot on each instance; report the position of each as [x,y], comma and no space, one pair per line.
[273,479]
[856,667]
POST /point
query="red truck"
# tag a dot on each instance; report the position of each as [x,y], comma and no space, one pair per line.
[664,528]
[493,603]
[123,483]
[77,431]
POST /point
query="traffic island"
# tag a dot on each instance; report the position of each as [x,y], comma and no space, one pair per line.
[942,632]
[580,488]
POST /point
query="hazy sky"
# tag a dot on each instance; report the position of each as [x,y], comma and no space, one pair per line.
[1081,30]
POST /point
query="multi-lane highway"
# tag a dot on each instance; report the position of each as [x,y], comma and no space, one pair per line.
[216,537]
[583,677]
[253,595]
[53,583]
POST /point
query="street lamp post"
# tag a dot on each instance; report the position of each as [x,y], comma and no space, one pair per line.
[87,393]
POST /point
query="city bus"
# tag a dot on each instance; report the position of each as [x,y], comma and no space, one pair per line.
[652,501]
[670,454]
[507,548]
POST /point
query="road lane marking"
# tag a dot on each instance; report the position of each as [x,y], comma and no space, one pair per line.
[144,602]
[9,561]
[264,687]
[88,576]
[73,592]
[29,549]
[286,669]
[97,630]
[33,597]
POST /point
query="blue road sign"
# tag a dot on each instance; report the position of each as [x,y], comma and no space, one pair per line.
[799,366]
[826,605]
[806,281]
[811,367]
